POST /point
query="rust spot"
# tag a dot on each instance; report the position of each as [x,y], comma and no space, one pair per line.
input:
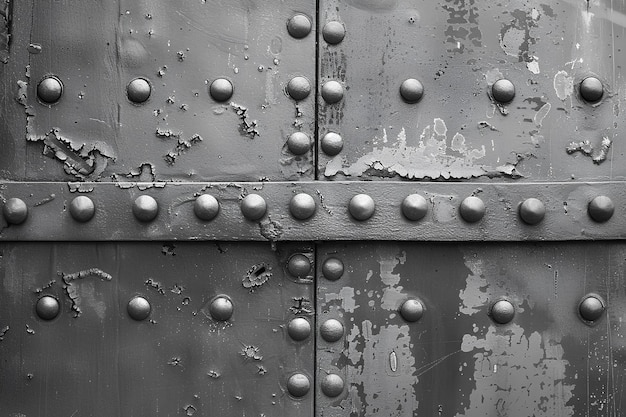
[251,352]
[257,275]
[155,285]
[597,154]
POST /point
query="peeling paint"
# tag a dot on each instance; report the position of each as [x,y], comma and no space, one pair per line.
[597,154]
[181,147]
[72,292]
[247,127]
[563,85]
[346,298]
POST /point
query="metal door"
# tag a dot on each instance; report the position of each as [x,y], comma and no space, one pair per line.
[341,208]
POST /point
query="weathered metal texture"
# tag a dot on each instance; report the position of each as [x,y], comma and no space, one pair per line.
[173,123]
[311,211]
[457,360]
[97,357]
[459,124]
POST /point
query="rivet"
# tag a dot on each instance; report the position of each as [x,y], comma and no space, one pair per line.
[253,207]
[298,385]
[206,207]
[361,207]
[333,32]
[591,89]
[472,209]
[221,89]
[299,329]
[82,209]
[601,208]
[411,90]
[299,143]
[414,207]
[138,90]
[331,330]
[332,385]
[298,88]
[299,265]
[502,311]
[50,89]
[332,269]
[302,206]
[591,307]
[138,308]
[503,91]
[299,26]
[145,208]
[332,92]
[15,211]
[532,211]
[221,308]
[47,307]
[412,310]
[332,143]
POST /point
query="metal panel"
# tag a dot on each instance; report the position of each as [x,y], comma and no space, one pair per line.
[94,359]
[457,359]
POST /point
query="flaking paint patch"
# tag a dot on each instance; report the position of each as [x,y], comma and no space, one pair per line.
[346,297]
[563,85]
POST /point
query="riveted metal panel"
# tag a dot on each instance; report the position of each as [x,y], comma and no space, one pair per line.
[456,359]
[94,359]
[458,50]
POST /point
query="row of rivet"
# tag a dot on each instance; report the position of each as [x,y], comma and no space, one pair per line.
[302,206]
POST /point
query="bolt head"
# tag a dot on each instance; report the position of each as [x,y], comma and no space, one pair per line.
[332,269]
[299,265]
[414,207]
[601,208]
[47,307]
[253,207]
[206,207]
[333,32]
[362,207]
[302,206]
[299,329]
[50,89]
[221,89]
[411,90]
[502,311]
[298,385]
[145,208]
[82,209]
[503,91]
[332,92]
[472,209]
[332,143]
[138,308]
[332,385]
[299,26]
[591,89]
[221,308]
[412,310]
[591,307]
[298,88]
[15,211]
[532,211]
[299,143]
[138,90]
[331,330]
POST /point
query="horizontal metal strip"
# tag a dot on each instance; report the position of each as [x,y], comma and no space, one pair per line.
[114,211]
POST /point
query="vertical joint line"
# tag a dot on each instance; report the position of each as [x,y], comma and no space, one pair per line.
[317,81]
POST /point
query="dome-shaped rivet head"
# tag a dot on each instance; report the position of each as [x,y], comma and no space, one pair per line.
[302,206]
[412,310]
[253,207]
[221,89]
[414,207]
[472,209]
[298,385]
[15,211]
[532,211]
[138,308]
[503,91]
[332,269]
[591,89]
[332,143]
[206,207]
[601,208]
[591,307]
[502,311]
[298,88]
[361,207]
[49,90]
[82,209]
[299,329]
[411,90]
[299,143]
[299,265]
[332,385]
[138,90]
[221,308]
[333,32]
[331,330]
[332,92]
[299,26]
[145,208]
[47,307]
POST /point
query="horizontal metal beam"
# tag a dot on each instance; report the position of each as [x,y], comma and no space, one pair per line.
[53,214]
